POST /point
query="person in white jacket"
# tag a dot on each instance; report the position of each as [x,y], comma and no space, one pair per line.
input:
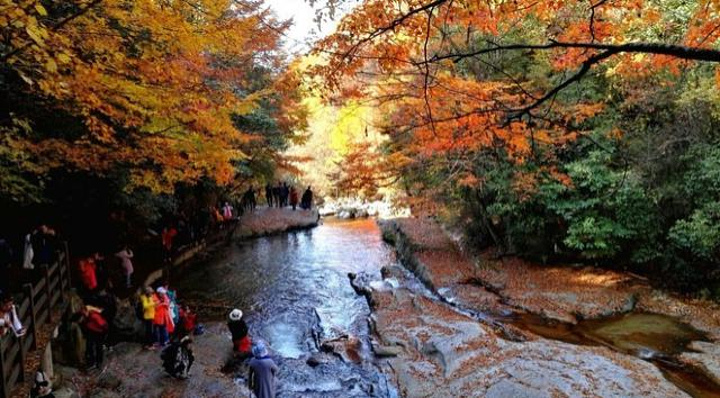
[9,319]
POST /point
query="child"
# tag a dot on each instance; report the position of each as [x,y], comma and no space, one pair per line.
[188,321]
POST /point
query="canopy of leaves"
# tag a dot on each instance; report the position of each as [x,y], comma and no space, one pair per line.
[148,87]
[570,130]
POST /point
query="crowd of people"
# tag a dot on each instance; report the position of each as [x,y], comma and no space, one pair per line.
[168,325]
[284,195]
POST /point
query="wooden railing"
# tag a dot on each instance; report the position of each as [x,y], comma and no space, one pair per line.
[34,310]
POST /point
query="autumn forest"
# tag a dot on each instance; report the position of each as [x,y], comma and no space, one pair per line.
[557,131]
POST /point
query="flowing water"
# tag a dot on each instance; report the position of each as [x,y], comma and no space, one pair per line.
[295,291]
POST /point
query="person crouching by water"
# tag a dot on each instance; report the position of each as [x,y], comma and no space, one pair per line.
[42,387]
[262,372]
[178,358]
[239,330]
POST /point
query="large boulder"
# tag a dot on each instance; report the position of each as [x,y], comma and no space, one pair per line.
[446,353]
[126,325]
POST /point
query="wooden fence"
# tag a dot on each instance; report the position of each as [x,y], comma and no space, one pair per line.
[34,310]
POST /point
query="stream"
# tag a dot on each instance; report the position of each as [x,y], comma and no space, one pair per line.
[295,292]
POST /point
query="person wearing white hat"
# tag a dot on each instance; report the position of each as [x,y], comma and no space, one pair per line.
[164,325]
[239,330]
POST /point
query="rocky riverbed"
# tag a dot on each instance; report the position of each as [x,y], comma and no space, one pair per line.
[503,327]
[437,323]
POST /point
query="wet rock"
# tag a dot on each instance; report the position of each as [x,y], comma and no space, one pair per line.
[109,381]
[126,325]
[392,271]
[104,394]
[384,351]
[65,392]
[707,358]
[317,359]
[449,354]
[313,362]
[345,347]
[141,373]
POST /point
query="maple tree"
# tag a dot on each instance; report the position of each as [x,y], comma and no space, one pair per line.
[552,128]
[148,87]
[422,52]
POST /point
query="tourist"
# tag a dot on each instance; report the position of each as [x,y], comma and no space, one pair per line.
[101,271]
[125,255]
[277,194]
[148,301]
[188,321]
[28,253]
[262,372]
[227,212]
[42,388]
[248,201]
[167,236]
[174,308]
[107,302]
[307,198]
[294,199]
[285,193]
[88,274]
[178,358]
[96,329]
[163,322]
[269,194]
[9,319]
[239,330]
[43,245]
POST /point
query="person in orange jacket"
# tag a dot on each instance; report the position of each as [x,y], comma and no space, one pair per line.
[164,324]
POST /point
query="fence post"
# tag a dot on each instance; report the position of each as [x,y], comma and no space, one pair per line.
[68,269]
[28,288]
[4,388]
[21,353]
[48,292]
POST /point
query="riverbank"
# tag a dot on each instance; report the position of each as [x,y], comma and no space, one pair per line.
[518,305]
[265,221]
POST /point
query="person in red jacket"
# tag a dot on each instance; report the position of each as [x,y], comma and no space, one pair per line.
[96,328]
[188,321]
[294,199]
[88,273]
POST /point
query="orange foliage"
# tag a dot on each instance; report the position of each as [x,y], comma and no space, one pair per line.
[155,82]
[440,110]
